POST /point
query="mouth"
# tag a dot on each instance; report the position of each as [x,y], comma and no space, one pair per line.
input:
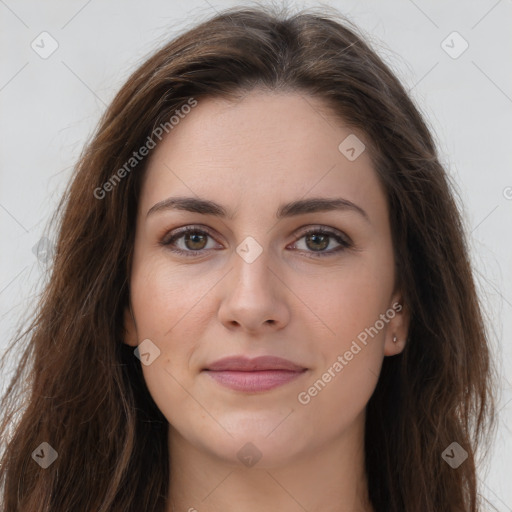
[253,375]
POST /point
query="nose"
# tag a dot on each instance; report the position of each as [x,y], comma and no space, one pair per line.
[254,297]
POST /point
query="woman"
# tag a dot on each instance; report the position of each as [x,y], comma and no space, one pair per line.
[261,297]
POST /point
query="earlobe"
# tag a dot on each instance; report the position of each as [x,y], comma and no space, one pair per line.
[394,347]
[398,327]
[130,328]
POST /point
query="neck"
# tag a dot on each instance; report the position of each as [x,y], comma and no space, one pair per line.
[330,479]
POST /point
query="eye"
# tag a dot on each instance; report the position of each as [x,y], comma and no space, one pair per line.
[194,241]
[317,239]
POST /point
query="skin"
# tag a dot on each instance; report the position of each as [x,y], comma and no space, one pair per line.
[251,156]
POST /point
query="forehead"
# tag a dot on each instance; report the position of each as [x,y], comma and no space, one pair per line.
[264,146]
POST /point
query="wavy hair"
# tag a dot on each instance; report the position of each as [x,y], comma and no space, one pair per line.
[78,387]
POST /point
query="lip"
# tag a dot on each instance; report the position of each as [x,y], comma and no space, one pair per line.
[245,364]
[253,375]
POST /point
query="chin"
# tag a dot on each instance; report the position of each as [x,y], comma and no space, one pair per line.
[262,443]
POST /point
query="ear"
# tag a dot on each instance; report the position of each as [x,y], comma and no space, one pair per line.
[130,328]
[398,326]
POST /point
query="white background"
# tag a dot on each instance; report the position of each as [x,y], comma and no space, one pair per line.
[49,108]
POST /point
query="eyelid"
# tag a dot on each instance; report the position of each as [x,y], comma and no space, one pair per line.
[314,228]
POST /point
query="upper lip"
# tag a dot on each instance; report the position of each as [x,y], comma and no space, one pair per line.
[240,363]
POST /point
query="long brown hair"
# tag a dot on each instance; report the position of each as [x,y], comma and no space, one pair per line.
[86,396]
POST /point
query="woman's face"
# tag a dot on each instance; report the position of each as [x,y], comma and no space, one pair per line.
[250,282]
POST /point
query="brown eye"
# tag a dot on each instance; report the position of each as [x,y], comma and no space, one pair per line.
[317,241]
[195,240]
[188,241]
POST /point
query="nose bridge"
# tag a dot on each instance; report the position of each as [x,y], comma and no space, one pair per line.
[251,265]
[251,299]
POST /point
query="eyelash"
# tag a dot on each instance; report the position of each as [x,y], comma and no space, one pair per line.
[344,241]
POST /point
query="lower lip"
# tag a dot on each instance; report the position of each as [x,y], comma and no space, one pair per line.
[255,380]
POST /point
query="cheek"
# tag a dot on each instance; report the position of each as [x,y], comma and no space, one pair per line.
[166,297]
[349,303]
[350,356]
[334,398]
[347,299]
[169,308]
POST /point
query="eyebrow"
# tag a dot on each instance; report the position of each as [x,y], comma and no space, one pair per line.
[294,208]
